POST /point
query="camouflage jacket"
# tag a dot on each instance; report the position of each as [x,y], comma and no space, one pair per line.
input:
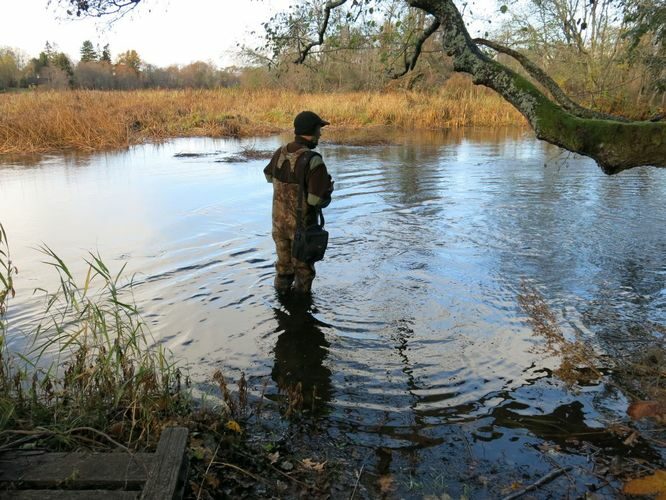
[285,171]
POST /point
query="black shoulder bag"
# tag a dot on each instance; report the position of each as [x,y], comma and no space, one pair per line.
[309,242]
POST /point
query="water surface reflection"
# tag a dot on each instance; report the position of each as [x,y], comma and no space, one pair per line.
[414,346]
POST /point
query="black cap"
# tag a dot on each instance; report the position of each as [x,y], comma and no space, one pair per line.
[306,123]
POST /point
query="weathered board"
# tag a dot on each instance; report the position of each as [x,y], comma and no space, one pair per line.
[160,475]
[76,470]
[167,477]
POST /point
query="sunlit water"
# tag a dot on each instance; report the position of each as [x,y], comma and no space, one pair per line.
[415,344]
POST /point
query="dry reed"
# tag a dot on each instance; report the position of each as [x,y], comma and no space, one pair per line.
[90,364]
[37,122]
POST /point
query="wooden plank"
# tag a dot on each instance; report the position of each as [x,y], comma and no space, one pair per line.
[68,495]
[76,470]
[167,478]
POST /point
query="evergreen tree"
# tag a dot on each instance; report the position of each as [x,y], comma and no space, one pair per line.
[88,52]
[61,61]
[49,49]
[106,54]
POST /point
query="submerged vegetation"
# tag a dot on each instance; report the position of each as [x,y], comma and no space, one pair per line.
[640,376]
[37,122]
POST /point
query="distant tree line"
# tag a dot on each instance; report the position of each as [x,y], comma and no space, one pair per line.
[96,69]
[609,54]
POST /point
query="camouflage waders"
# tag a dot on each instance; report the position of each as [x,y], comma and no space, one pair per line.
[285,201]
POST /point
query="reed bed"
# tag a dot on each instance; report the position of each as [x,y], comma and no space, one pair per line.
[38,122]
[91,372]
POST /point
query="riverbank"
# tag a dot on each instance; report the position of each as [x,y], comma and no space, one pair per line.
[41,122]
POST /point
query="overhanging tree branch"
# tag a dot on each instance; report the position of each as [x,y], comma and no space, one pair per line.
[614,145]
[410,63]
[540,76]
[328,7]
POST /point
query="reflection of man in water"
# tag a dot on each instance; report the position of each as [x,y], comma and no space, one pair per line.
[285,171]
[300,351]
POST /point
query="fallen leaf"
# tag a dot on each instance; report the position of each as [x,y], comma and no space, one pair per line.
[273,457]
[197,448]
[232,425]
[312,465]
[647,409]
[198,452]
[631,440]
[385,483]
[648,485]
[212,481]
[549,448]
[116,429]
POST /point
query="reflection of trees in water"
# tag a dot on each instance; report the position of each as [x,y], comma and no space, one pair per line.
[623,314]
[579,235]
[555,226]
[566,426]
[300,352]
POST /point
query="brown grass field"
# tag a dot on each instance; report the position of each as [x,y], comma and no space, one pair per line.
[47,121]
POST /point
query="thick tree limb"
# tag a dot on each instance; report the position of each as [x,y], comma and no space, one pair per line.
[328,7]
[540,76]
[410,63]
[615,145]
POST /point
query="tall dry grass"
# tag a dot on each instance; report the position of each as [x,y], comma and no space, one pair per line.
[37,122]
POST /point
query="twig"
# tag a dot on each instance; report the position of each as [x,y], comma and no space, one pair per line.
[102,434]
[360,473]
[235,467]
[548,477]
[554,463]
[45,432]
[13,444]
[289,477]
[411,63]
[468,446]
[207,469]
[328,7]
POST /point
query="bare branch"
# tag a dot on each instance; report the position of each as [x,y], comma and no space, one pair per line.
[411,63]
[97,8]
[540,76]
[333,4]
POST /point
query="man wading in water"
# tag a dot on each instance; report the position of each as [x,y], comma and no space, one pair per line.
[297,172]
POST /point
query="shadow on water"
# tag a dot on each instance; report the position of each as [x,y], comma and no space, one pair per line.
[300,353]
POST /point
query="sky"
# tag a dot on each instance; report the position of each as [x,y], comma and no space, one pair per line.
[163,32]
[171,32]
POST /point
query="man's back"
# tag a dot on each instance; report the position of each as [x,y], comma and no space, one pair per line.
[295,169]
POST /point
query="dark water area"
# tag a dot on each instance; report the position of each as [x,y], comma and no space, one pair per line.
[414,350]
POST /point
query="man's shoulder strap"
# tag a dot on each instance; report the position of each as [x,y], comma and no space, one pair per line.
[292,157]
[311,160]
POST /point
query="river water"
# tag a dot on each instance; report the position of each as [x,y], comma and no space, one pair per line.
[414,344]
